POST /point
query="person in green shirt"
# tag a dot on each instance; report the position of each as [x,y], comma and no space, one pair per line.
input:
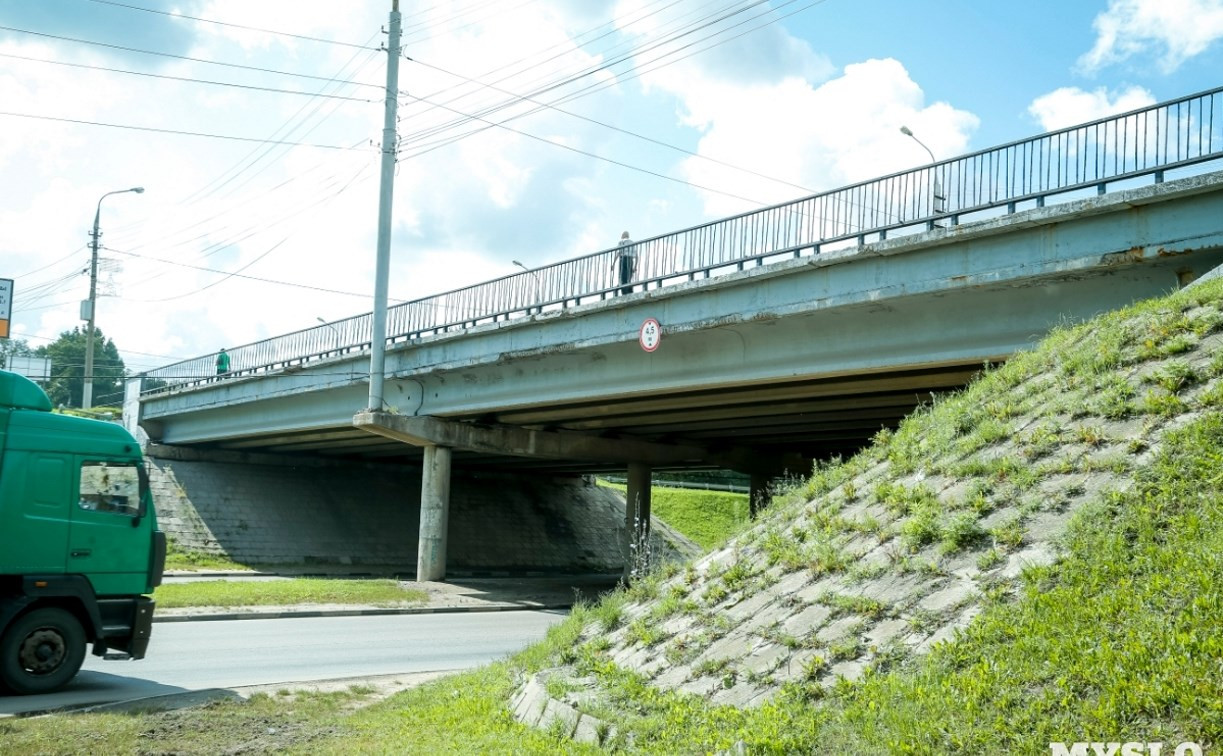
[222,362]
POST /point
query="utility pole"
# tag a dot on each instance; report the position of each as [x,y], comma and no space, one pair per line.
[382,269]
[89,308]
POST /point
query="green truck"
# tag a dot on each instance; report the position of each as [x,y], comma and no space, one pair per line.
[79,544]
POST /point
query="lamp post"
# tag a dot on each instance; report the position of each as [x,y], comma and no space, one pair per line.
[940,202]
[539,308]
[333,330]
[87,387]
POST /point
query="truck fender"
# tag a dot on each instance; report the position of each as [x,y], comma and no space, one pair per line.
[73,592]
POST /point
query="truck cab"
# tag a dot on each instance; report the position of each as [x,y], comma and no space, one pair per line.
[79,543]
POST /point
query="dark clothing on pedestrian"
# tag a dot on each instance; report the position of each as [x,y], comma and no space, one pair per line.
[626,260]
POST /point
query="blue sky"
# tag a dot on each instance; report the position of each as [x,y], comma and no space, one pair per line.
[811,99]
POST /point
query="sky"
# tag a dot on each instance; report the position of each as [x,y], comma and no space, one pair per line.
[529,130]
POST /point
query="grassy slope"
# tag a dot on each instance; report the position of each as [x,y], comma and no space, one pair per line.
[708,518]
[1118,641]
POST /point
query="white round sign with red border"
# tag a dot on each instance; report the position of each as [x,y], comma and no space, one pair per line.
[651,335]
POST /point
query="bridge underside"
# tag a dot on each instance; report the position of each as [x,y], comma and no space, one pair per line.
[808,419]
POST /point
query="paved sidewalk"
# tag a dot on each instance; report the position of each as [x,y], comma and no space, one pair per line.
[460,594]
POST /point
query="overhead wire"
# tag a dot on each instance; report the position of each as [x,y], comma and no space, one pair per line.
[274,247]
[253,158]
[50,264]
[278,282]
[179,132]
[538,89]
[177,14]
[174,56]
[471,117]
[187,79]
[636,72]
[613,127]
[596,156]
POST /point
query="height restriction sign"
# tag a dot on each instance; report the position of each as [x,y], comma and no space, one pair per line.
[651,335]
[6,305]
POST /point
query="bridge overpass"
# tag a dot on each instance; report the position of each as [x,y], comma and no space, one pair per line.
[787,334]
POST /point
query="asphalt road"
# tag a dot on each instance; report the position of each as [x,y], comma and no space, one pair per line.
[187,656]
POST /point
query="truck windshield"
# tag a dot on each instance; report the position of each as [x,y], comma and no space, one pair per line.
[111,487]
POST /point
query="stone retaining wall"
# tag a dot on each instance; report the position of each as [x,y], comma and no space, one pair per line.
[262,509]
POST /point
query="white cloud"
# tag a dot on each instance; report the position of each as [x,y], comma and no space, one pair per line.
[1070,105]
[818,137]
[1173,30]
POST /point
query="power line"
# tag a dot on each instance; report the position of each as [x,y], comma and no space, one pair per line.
[188,79]
[175,131]
[269,251]
[579,151]
[635,72]
[231,25]
[611,126]
[180,57]
[241,275]
[254,156]
[683,31]
[249,232]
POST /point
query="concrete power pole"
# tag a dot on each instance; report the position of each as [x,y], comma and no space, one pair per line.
[87,310]
[377,351]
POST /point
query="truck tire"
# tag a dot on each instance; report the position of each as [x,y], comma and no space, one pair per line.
[41,651]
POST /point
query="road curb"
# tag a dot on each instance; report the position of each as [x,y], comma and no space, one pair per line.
[372,612]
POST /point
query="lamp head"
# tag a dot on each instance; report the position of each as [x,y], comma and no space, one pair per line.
[905,130]
[137,189]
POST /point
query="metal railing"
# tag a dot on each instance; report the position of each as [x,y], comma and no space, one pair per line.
[1143,142]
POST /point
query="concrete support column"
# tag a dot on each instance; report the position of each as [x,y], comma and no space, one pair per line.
[758,493]
[637,521]
[434,514]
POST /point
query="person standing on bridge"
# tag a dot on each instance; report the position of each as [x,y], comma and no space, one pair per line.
[222,362]
[626,261]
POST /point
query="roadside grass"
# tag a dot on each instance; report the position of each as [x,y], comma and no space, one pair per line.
[233,593]
[465,713]
[708,518]
[263,724]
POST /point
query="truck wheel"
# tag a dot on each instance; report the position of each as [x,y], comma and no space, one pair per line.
[41,651]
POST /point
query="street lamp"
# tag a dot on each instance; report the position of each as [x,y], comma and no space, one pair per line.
[940,202]
[534,275]
[87,388]
[333,330]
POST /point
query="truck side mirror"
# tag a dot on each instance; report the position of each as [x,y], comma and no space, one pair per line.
[145,494]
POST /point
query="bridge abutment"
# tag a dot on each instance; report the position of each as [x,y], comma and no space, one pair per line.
[271,510]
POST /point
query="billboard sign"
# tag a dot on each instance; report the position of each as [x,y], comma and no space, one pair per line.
[6,305]
[37,369]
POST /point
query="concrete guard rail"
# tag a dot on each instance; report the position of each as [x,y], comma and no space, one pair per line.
[1145,142]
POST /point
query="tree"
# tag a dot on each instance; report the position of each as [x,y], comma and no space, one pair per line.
[67,355]
[13,348]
